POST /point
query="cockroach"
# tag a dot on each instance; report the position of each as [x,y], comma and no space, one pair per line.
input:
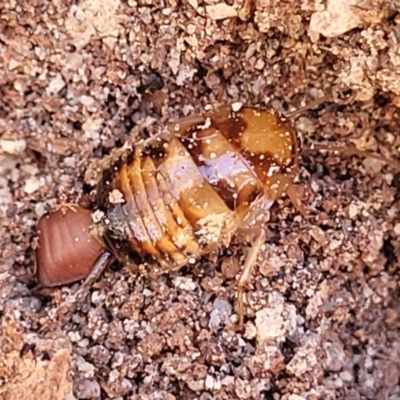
[168,201]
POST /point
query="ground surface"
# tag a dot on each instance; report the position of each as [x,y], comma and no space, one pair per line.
[78,78]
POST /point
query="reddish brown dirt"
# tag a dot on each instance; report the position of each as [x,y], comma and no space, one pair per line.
[79,78]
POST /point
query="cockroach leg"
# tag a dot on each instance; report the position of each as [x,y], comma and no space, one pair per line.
[351,151]
[100,265]
[177,128]
[150,140]
[292,192]
[309,106]
[332,96]
[244,279]
[174,129]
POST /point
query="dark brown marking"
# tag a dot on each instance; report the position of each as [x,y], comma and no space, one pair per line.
[156,151]
[232,128]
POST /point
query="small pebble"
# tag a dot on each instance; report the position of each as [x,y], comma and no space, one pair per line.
[222,310]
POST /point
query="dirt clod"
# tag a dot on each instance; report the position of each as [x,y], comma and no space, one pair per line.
[81,79]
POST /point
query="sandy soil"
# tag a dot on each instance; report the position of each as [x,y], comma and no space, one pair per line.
[79,78]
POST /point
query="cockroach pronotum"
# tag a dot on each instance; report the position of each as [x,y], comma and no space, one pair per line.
[170,200]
